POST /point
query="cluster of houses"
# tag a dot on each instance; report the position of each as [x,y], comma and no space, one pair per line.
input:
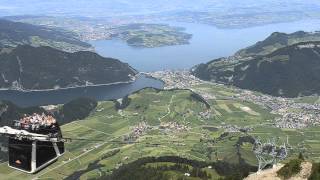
[176,79]
[169,127]
[235,128]
[292,114]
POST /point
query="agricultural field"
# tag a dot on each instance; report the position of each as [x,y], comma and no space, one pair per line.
[158,123]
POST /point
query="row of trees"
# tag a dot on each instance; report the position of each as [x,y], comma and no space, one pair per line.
[139,170]
[76,109]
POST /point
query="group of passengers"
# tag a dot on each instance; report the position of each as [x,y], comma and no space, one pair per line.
[35,121]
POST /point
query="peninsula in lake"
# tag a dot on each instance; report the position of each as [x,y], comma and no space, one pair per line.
[151,35]
[145,35]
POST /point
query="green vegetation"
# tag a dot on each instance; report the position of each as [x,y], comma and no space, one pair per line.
[170,124]
[106,126]
[10,112]
[122,103]
[315,172]
[151,35]
[76,110]
[173,167]
[163,168]
[278,40]
[58,69]
[290,71]
[290,169]
[13,34]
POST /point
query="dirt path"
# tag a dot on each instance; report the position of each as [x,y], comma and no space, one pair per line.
[169,110]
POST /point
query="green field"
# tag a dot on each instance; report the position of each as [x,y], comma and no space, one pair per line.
[193,137]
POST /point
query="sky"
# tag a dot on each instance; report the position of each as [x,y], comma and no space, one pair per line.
[129,7]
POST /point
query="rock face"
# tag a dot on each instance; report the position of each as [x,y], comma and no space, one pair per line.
[41,68]
[13,34]
[271,174]
[268,174]
[290,71]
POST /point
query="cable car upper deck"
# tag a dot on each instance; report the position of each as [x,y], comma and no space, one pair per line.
[40,124]
[36,127]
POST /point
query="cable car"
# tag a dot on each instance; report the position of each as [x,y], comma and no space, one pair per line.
[33,146]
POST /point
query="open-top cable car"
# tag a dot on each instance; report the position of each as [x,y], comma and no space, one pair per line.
[33,145]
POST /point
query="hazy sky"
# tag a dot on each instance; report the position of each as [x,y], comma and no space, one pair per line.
[124,7]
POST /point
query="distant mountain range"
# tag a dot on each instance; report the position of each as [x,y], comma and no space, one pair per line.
[41,68]
[289,70]
[16,33]
[231,13]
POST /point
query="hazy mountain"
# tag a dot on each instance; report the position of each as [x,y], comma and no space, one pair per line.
[16,33]
[290,71]
[31,68]
[278,40]
[128,7]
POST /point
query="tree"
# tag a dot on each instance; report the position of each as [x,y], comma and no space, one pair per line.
[301,156]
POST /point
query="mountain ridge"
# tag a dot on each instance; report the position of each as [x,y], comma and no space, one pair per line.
[13,34]
[283,72]
[278,40]
[57,69]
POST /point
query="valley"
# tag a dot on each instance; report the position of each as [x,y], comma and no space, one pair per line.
[159,123]
[151,90]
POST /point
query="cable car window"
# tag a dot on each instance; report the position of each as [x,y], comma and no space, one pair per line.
[45,153]
[20,153]
[61,147]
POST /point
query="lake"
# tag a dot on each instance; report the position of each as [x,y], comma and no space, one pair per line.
[207,43]
[107,92]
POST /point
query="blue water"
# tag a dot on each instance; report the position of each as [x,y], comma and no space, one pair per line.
[107,92]
[207,43]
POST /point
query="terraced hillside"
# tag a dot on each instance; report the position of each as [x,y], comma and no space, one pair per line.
[172,123]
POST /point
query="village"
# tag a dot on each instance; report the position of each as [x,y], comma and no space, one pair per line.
[165,128]
[292,114]
[295,115]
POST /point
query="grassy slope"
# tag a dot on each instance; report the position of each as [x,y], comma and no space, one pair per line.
[107,124]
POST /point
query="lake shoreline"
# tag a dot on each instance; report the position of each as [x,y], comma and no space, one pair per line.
[207,43]
[48,90]
[75,87]
[62,96]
